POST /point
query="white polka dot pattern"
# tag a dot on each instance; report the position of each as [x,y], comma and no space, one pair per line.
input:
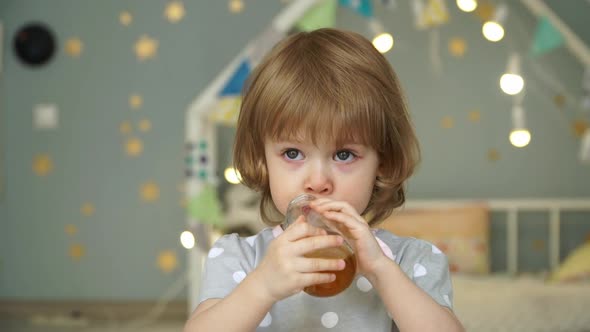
[266,321]
[363,284]
[214,252]
[435,250]
[329,319]
[239,276]
[419,270]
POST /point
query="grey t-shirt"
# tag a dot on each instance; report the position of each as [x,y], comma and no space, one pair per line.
[358,308]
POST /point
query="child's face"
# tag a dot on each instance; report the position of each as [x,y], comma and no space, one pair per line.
[346,173]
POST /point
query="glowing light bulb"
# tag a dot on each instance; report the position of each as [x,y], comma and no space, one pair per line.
[520,137]
[383,42]
[493,31]
[232,175]
[187,239]
[511,83]
[467,5]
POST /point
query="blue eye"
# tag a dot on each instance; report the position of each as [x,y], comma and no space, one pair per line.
[344,155]
[292,154]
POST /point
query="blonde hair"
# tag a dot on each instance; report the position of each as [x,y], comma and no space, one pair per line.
[329,85]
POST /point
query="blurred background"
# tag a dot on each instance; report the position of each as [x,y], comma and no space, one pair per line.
[116,131]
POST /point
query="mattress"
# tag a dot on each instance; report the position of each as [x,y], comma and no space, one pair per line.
[525,303]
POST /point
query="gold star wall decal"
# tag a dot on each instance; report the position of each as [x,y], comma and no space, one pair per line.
[447,122]
[580,126]
[167,261]
[125,18]
[174,11]
[74,47]
[474,116]
[493,155]
[146,48]
[71,229]
[125,127]
[77,251]
[133,147]
[485,10]
[87,209]
[135,101]
[457,46]
[149,192]
[236,6]
[42,164]
[559,100]
[145,125]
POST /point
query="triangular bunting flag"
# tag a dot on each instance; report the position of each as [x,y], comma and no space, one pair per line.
[322,15]
[226,110]
[205,207]
[546,37]
[432,14]
[235,84]
[362,7]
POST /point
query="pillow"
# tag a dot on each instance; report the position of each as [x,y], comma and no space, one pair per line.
[576,266]
[462,233]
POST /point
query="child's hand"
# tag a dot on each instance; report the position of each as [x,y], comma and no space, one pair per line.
[354,227]
[284,271]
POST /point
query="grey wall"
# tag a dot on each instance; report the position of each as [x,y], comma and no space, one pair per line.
[125,235]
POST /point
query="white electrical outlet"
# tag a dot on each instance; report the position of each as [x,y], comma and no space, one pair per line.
[45,117]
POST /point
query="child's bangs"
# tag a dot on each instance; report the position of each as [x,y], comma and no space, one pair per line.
[321,117]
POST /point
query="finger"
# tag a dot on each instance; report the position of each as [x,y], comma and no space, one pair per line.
[345,223]
[315,278]
[306,265]
[324,205]
[301,229]
[312,243]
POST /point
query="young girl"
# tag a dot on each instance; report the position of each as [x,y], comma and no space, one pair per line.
[324,115]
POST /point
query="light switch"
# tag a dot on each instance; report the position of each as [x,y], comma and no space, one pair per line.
[45,117]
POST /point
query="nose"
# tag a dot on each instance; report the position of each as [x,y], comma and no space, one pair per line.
[318,180]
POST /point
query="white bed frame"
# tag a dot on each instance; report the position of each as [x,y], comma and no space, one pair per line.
[512,207]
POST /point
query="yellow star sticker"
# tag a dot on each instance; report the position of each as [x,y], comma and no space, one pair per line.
[493,155]
[167,261]
[145,125]
[174,11]
[135,101]
[149,192]
[474,116]
[134,147]
[74,47]
[87,209]
[71,229]
[447,122]
[125,127]
[457,47]
[42,165]
[580,126]
[485,10]
[125,18]
[559,100]
[236,6]
[77,251]
[146,48]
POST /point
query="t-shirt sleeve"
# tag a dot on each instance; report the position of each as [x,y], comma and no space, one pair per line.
[228,262]
[430,271]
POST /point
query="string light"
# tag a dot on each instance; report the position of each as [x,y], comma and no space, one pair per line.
[187,239]
[511,82]
[493,30]
[383,41]
[520,135]
[232,175]
[467,5]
